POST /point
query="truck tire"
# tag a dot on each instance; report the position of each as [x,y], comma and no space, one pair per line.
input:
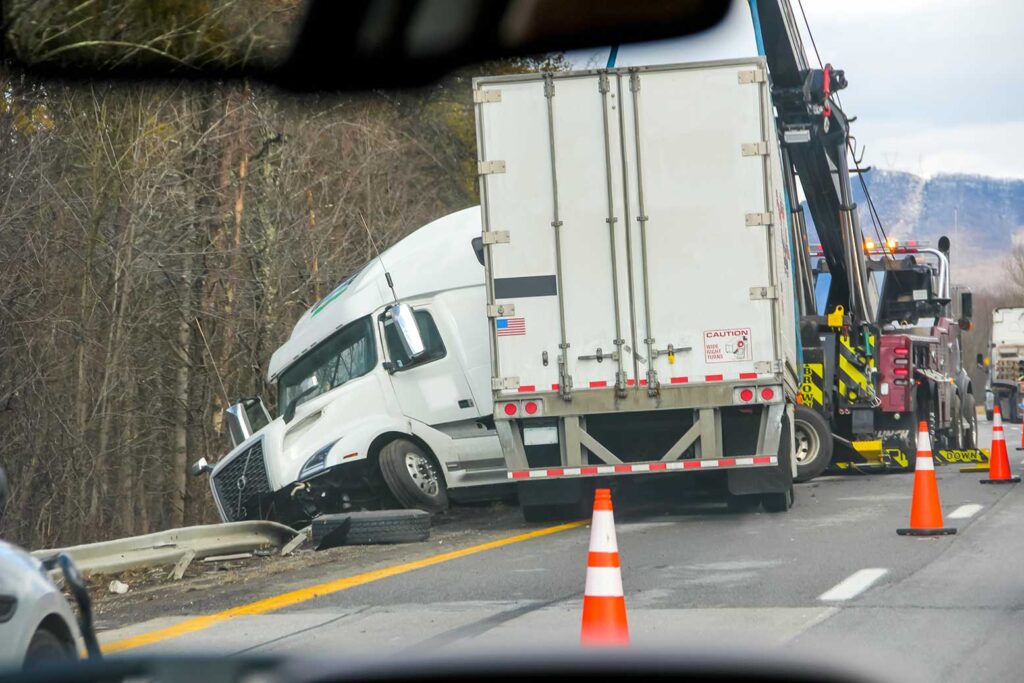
[781,501]
[956,424]
[370,528]
[970,439]
[45,647]
[565,512]
[413,476]
[813,440]
[777,502]
[742,503]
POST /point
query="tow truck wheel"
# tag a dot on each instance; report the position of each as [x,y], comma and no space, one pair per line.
[413,477]
[970,439]
[813,441]
[956,424]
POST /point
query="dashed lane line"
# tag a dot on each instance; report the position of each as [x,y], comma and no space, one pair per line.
[965,511]
[853,585]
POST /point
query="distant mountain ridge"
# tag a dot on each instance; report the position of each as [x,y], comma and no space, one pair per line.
[983,216]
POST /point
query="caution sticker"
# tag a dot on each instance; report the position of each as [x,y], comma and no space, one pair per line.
[727,346]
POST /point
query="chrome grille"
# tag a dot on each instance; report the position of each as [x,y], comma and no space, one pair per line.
[242,485]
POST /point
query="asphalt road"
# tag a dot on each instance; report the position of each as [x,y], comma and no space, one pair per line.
[830,579]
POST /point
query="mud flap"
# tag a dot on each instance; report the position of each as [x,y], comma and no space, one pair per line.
[778,479]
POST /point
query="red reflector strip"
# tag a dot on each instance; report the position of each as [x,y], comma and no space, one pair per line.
[643,383]
[748,375]
[527,387]
[596,559]
[640,467]
[713,378]
[554,387]
[679,380]
[630,382]
[598,384]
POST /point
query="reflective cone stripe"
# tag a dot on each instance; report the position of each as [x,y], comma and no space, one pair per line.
[999,459]
[604,606]
[925,508]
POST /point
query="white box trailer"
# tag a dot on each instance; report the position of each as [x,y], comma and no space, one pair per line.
[1006,364]
[639,282]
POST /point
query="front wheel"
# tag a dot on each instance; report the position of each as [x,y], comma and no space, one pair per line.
[46,647]
[813,441]
[413,477]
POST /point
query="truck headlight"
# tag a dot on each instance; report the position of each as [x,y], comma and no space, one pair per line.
[317,462]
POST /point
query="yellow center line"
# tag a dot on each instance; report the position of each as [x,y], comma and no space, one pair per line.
[301,595]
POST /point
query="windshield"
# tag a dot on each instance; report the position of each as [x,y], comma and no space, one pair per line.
[345,355]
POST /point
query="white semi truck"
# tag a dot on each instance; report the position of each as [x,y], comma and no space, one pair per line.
[639,280]
[382,393]
[1005,364]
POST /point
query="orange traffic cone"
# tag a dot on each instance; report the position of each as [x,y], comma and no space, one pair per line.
[925,509]
[604,606]
[999,460]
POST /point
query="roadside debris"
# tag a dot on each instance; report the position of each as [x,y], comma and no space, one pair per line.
[300,539]
[118,587]
[227,558]
[367,528]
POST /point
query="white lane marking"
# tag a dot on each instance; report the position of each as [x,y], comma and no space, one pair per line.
[853,585]
[965,511]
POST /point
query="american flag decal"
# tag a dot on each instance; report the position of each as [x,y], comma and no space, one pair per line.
[510,327]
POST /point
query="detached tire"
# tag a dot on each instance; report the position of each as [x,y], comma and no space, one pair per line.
[371,528]
[813,441]
[413,477]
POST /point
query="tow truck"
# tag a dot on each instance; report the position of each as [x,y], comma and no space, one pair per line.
[880,337]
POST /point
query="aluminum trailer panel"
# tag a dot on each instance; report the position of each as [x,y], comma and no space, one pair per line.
[637,232]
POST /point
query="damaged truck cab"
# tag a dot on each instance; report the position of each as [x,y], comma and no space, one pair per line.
[383,394]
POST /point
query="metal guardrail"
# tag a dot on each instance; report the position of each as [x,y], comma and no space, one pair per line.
[174,546]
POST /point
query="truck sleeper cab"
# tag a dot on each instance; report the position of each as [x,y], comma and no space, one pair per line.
[641,300]
[361,422]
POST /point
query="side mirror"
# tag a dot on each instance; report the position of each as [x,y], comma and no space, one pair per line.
[247,417]
[200,467]
[404,319]
[5,489]
[981,360]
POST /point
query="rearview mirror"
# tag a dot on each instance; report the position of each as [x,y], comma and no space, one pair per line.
[981,360]
[404,318]
[966,305]
[246,417]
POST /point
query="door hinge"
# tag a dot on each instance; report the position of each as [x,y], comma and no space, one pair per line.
[760,293]
[504,383]
[500,310]
[752,76]
[758,219]
[754,149]
[495,237]
[486,96]
[488,167]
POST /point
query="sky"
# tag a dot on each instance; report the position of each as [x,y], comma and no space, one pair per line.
[936,85]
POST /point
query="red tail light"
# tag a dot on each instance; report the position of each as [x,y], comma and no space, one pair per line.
[530,407]
[767,393]
[901,372]
[510,409]
[746,395]
[901,351]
